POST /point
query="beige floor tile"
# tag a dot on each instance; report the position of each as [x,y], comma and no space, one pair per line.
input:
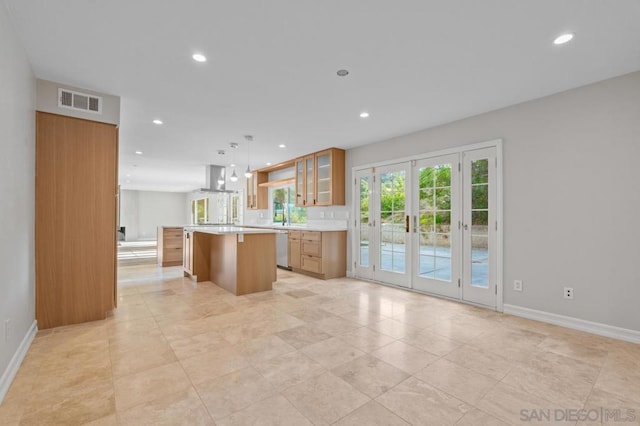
[565,391]
[574,349]
[325,398]
[458,381]
[274,411]
[209,365]
[310,314]
[302,336]
[183,407]
[233,392]
[366,339]
[336,325]
[111,420]
[331,352]
[264,348]
[430,342]
[76,405]
[289,369]
[404,357]
[136,341]
[199,344]
[362,316]
[610,409]
[477,417]
[393,328]
[507,403]
[480,361]
[135,361]
[149,385]
[371,414]
[370,375]
[421,404]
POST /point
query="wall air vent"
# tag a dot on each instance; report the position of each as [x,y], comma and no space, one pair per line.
[79,101]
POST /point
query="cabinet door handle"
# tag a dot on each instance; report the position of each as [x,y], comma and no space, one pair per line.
[406,223]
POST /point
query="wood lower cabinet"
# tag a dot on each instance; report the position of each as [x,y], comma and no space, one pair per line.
[294,249]
[170,246]
[319,254]
[75,219]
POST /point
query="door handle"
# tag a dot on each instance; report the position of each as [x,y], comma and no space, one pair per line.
[466,227]
[406,223]
[415,223]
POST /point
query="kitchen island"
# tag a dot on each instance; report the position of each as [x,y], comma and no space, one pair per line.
[240,260]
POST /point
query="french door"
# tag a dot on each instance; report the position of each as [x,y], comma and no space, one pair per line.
[435,225]
[430,224]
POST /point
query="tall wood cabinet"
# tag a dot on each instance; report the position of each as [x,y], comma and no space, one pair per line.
[75,229]
[320,179]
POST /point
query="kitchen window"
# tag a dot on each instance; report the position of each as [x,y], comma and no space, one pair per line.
[199,211]
[283,206]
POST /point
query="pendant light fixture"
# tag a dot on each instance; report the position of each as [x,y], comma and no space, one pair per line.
[248,173]
[234,176]
[221,176]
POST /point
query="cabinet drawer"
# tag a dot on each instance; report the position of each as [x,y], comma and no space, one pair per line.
[312,248]
[172,243]
[311,235]
[172,233]
[311,264]
[170,254]
[294,235]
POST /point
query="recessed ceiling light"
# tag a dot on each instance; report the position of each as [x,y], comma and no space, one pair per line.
[268,164]
[199,57]
[139,152]
[156,121]
[282,145]
[342,73]
[128,175]
[232,165]
[364,115]
[563,38]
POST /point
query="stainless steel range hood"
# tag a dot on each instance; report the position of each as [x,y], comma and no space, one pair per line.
[216,179]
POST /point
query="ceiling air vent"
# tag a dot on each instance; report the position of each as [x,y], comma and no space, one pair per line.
[79,101]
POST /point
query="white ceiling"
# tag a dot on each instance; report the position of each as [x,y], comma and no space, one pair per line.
[271,69]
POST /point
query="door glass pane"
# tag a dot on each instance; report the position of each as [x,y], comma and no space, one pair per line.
[324,178]
[310,181]
[392,221]
[300,193]
[435,222]
[480,223]
[364,221]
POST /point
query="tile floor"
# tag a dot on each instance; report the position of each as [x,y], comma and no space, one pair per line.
[341,352]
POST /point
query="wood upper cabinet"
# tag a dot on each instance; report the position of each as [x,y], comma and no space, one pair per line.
[257,196]
[320,179]
[75,219]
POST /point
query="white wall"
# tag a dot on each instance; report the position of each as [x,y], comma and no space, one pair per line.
[571,195]
[17,191]
[141,212]
[47,101]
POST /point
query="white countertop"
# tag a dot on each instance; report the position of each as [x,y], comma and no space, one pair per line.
[224,230]
[301,227]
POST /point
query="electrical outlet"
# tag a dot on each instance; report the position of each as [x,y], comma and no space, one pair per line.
[7,330]
[321,215]
[568,293]
[332,215]
[517,285]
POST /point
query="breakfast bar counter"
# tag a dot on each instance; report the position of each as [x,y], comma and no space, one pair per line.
[240,260]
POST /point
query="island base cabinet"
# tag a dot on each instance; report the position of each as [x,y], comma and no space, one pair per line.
[241,264]
[294,249]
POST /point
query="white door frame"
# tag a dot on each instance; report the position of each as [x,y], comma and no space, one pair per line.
[497,143]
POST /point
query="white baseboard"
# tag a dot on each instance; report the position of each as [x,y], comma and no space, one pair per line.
[620,333]
[14,365]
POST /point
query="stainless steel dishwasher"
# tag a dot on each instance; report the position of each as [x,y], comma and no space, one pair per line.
[282,249]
